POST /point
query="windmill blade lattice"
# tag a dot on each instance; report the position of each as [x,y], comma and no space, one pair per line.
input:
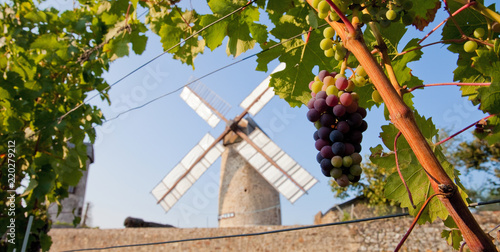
[289,178]
[207,104]
[177,182]
[261,88]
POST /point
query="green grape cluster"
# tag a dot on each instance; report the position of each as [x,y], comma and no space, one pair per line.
[332,47]
[471,45]
[383,12]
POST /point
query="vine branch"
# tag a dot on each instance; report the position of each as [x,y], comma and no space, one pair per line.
[399,170]
[415,221]
[348,24]
[444,21]
[462,130]
[449,84]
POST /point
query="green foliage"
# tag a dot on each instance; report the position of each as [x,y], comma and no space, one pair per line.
[50,61]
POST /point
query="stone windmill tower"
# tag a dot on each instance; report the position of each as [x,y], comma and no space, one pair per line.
[254,170]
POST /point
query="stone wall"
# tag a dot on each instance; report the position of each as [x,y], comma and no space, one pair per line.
[379,235]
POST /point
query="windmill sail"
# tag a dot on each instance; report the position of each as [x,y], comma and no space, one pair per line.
[174,185]
[290,179]
[206,103]
[262,89]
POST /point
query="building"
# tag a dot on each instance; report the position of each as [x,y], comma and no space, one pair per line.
[73,205]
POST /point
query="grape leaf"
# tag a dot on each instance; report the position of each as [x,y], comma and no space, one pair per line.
[215,34]
[425,11]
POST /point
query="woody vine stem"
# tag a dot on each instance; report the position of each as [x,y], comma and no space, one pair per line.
[402,117]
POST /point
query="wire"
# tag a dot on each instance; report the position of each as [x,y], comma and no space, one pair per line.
[156,57]
[268,232]
[251,234]
[208,74]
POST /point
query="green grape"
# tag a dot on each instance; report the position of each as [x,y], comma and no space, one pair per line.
[391,15]
[328,32]
[317,124]
[332,90]
[479,33]
[339,56]
[360,71]
[355,170]
[376,96]
[359,81]
[347,161]
[329,53]
[315,3]
[407,5]
[322,15]
[365,18]
[323,7]
[337,161]
[316,86]
[334,16]
[326,44]
[470,46]
[336,173]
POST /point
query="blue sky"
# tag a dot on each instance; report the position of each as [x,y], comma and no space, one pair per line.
[134,152]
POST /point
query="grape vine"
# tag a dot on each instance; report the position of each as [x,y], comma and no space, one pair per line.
[53,59]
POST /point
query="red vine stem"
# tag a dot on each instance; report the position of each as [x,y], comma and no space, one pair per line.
[433,43]
[399,170]
[415,221]
[444,21]
[464,129]
[449,84]
[348,24]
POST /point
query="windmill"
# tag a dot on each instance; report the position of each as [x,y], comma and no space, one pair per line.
[254,170]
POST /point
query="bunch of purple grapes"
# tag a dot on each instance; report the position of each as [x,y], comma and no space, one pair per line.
[339,122]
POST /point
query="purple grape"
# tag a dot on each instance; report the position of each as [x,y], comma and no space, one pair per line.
[362,112]
[326,166]
[338,148]
[319,157]
[356,137]
[322,74]
[320,143]
[324,132]
[327,120]
[339,110]
[315,135]
[343,127]
[363,126]
[352,108]
[326,151]
[341,83]
[320,105]
[310,104]
[349,149]
[325,172]
[332,100]
[333,74]
[336,136]
[313,115]
[354,120]
[321,95]
[357,148]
